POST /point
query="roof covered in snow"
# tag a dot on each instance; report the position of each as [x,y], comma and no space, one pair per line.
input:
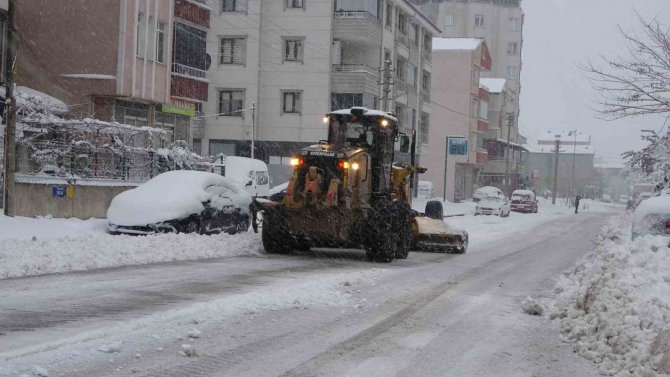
[566,137]
[456,44]
[366,111]
[567,149]
[493,85]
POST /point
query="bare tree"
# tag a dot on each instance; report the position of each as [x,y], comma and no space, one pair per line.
[638,84]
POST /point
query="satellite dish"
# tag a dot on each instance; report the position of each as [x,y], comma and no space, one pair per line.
[208,61]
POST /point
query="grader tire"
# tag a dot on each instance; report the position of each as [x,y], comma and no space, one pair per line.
[275,236]
[403,230]
[381,243]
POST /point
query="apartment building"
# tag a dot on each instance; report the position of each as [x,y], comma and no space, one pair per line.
[505,156]
[112,59]
[460,111]
[500,23]
[278,66]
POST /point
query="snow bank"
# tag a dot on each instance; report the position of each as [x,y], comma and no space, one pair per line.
[614,307]
[25,228]
[27,257]
[174,195]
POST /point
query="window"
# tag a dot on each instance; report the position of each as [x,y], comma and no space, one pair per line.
[479,20]
[475,75]
[197,146]
[514,24]
[448,19]
[291,101]
[224,147]
[189,50]
[414,33]
[401,69]
[231,102]
[483,110]
[427,46]
[424,128]
[512,72]
[233,5]
[474,111]
[425,85]
[141,36]
[402,23]
[160,42]
[389,15]
[294,49]
[348,100]
[233,50]
[400,112]
[295,4]
[512,48]
[412,73]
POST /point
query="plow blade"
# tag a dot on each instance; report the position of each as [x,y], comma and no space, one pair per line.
[436,236]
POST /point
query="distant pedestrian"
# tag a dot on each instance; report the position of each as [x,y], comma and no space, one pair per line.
[577,199]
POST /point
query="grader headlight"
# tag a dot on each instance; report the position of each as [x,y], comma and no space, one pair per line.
[355,166]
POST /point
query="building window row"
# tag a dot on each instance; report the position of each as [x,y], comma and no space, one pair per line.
[231,102]
[233,50]
[514,23]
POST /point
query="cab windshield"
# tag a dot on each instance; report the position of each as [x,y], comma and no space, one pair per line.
[347,133]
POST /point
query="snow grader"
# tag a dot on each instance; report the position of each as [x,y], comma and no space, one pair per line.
[347,192]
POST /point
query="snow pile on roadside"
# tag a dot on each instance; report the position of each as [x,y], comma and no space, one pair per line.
[25,228]
[37,257]
[615,305]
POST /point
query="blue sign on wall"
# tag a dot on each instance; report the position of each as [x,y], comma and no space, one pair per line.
[458,146]
[58,191]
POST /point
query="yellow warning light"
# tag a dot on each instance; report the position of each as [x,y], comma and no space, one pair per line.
[295,161]
[326,119]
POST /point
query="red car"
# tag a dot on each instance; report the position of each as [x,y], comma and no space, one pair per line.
[524,201]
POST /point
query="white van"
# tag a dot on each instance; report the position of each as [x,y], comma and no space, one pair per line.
[425,190]
[251,173]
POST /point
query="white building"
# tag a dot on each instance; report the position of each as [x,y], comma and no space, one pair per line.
[295,60]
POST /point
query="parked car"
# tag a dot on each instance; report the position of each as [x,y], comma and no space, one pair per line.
[496,206]
[524,201]
[652,217]
[641,197]
[251,173]
[487,191]
[623,199]
[606,198]
[181,201]
[425,190]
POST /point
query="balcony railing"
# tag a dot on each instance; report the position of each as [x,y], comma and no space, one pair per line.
[181,69]
[355,68]
[356,14]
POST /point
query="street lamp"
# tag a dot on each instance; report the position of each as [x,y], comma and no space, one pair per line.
[574,155]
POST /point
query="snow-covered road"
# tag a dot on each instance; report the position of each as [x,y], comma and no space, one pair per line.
[324,313]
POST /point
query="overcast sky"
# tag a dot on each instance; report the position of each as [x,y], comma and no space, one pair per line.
[560,34]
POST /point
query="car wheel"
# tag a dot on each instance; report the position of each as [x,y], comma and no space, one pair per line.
[192,226]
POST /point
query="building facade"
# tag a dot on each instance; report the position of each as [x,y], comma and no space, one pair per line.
[505,156]
[500,23]
[576,172]
[278,66]
[107,59]
[460,110]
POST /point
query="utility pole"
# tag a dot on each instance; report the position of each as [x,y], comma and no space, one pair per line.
[386,85]
[253,128]
[558,150]
[510,124]
[10,114]
[572,181]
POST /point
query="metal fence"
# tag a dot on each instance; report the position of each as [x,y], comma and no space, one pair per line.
[91,149]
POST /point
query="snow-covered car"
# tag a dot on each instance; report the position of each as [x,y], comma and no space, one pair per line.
[181,201]
[524,201]
[606,198]
[426,190]
[487,191]
[496,206]
[652,217]
[642,197]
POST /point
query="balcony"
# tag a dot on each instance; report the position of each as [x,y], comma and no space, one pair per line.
[187,88]
[402,39]
[361,26]
[355,78]
[189,72]
[482,156]
[194,11]
[482,125]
